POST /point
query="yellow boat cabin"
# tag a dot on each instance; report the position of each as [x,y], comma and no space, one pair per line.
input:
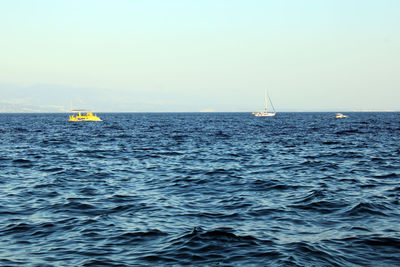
[80,116]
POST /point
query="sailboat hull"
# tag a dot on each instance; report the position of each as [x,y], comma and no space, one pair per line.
[264,114]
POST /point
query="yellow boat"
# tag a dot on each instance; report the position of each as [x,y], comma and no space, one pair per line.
[82,117]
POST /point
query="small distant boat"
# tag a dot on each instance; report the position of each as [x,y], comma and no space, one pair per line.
[265,113]
[80,116]
[340,116]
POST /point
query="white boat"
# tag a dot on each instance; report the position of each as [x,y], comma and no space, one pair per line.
[265,113]
[340,116]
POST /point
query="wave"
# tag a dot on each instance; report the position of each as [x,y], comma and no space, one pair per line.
[367,208]
[212,246]
[368,249]
[348,132]
[132,238]
[308,254]
[388,175]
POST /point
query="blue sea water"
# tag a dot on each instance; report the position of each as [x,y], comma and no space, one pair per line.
[214,189]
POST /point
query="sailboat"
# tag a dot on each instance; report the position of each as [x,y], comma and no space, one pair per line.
[265,113]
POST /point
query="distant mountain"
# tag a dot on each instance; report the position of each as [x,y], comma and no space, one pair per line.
[56,98]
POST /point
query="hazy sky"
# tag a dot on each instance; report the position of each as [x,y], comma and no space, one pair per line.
[191,55]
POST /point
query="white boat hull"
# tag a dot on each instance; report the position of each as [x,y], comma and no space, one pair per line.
[264,114]
[340,116]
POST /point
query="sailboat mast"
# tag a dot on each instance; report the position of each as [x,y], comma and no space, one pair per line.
[266,101]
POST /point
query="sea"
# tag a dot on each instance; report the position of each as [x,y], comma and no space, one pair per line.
[200,189]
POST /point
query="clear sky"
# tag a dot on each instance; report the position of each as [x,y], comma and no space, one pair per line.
[191,55]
